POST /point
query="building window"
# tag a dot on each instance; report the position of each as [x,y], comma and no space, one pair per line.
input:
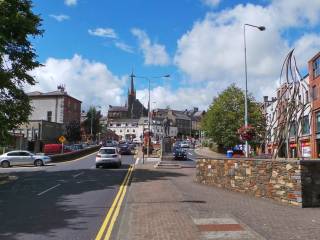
[307,96]
[133,130]
[110,125]
[318,122]
[305,125]
[49,116]
[120,130]
[118,125]
[127,130]
[314,93]
[293,130]
[316,67]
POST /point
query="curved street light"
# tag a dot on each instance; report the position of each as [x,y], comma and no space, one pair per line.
[261,28]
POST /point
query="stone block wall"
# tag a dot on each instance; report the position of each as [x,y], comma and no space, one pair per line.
[293,182]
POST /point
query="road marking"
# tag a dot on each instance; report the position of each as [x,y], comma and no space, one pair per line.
[190,153]
[116,213]
[39,194]
[137,161]
[78,159]
[77,175]
[111,210]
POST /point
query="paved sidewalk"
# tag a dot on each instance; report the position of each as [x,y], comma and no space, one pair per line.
[206,152]
[166,204]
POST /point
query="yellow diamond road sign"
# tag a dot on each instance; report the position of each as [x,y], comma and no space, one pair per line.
[62,139]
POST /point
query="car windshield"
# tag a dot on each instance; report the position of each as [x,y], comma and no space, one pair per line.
[107,151]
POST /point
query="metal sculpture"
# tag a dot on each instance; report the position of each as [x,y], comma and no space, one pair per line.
[287,119]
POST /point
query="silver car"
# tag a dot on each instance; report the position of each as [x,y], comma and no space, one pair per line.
[20,157]
[107,156]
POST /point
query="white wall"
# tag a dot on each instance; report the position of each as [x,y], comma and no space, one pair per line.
[43,105]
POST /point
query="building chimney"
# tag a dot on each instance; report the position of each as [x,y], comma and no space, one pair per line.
[265,98]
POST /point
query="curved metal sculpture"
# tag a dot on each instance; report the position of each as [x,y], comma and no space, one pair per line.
[291,106]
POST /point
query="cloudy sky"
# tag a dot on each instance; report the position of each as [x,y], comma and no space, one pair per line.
[92,46]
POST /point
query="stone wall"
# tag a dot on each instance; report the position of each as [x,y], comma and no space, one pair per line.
[293,182]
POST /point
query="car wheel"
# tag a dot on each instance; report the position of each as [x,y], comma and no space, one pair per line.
[97,166]
[38,163]
[5,164]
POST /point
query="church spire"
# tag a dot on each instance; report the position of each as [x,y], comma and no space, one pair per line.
[132,91]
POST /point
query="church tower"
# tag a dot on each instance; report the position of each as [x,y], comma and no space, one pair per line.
[131,96]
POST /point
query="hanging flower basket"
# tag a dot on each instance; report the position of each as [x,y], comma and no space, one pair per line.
[246,133]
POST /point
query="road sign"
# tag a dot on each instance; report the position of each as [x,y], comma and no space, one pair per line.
[62,139]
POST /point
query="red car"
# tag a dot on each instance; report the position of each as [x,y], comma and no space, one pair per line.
[55,148]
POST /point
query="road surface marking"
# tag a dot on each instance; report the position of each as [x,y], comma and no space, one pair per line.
[110,212]
[190,153]
[116,213]
[137,161]
[77,158]
[39,194]
[77,175]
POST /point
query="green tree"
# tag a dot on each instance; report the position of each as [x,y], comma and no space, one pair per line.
[17,58]
[93,116]
[226,115]
[73,131]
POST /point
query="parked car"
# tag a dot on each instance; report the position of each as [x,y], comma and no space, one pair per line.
[108,156]
[109,143]
[56,148]
[137,141]
[180,154]
[124,149]
[21,158]
[184,144]
[77,147]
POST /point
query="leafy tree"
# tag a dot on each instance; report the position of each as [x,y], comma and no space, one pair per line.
[17,58]
[226,115]
[95,116]
[73,131]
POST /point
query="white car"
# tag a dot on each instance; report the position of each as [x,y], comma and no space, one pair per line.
[108,156]
[137,140]
[21,157]
[184,145]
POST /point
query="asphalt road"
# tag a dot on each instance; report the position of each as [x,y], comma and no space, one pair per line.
[60,201]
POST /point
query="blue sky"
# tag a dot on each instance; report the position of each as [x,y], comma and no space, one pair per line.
[92,45]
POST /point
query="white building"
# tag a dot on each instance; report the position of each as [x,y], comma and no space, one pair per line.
[134,128]
[56,106]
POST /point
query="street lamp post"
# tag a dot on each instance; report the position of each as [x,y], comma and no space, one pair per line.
[261,28]
[149,79]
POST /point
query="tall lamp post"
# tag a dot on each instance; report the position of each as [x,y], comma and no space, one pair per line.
[261,28]
[149,79]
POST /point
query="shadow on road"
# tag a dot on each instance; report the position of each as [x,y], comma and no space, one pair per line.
[23,211]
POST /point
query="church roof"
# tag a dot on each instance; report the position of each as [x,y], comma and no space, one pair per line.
[117,109]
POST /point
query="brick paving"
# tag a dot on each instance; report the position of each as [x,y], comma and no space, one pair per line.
[167,204]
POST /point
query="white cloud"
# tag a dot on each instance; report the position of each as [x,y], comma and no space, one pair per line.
[213,49]
[124,47]
[89,81]
[154,53]
[60,17]
[70,2]
[211,3]
[103,32]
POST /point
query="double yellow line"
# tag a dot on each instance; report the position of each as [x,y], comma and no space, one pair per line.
[115,209]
